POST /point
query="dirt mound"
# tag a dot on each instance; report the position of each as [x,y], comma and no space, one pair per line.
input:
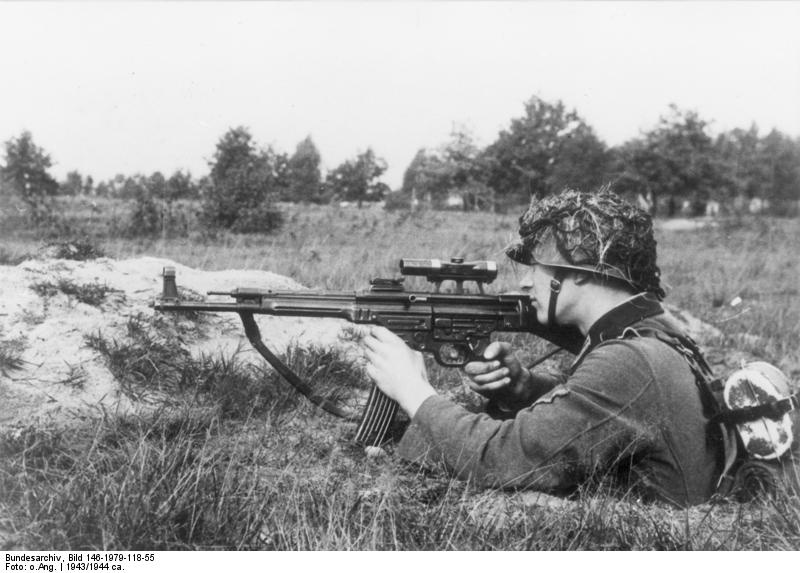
[48,308]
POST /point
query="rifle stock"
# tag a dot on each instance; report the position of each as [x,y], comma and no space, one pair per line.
[454,327]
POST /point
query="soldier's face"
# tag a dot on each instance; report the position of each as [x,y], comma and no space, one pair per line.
[535,282]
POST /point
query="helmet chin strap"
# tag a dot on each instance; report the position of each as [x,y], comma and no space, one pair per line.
[555,289]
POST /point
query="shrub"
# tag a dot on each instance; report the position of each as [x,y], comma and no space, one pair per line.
[82,249]
[263,218]
[92,294]
[396,201]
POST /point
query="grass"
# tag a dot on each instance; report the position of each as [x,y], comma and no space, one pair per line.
[93,294]
[147,361]
[190,479]
[11,355]
[227,456]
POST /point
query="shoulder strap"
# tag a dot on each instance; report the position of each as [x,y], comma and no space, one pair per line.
[710,387]
[774,410]
[710,391]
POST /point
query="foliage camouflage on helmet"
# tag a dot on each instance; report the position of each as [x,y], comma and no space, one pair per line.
[599,232]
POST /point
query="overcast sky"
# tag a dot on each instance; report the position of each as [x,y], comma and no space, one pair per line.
[126,88]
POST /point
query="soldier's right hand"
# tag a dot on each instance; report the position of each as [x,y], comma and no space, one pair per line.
[500,375]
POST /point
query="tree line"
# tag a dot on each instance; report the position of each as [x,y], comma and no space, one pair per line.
[240,193]
[676,165]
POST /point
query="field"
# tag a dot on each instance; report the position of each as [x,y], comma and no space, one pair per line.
[237,461]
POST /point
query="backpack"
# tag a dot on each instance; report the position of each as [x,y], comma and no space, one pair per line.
[755,412]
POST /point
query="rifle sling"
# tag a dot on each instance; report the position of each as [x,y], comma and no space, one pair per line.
[376,417]
[254,336]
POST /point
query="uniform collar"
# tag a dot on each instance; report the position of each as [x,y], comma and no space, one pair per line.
[631,311]
[613,323]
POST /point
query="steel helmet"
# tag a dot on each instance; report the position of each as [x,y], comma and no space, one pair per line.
[599,233]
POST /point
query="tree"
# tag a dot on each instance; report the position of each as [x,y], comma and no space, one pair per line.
[25,174]
[147,215]
[780,157]
[304,175]
[547,149]
[131,187]
[245,182]
[72,185]
[357,179]
[181,186]
[739,151]
[676,160]
[153,200]
[426,177]
[411,176]
[457,168]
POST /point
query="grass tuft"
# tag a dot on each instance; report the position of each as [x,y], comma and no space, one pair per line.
[145,361]
[93,294]
[75,378]
[11,356]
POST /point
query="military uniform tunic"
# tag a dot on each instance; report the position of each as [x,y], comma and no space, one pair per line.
[630,409]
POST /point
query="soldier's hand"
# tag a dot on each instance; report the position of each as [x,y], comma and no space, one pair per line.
[500,375]
[397,370]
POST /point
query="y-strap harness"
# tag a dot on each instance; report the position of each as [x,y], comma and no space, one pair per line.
[714,387]
[617,324]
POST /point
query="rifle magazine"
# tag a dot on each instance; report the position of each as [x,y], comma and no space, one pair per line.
[376,419]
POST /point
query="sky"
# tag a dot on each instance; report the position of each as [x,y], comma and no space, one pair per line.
[119,87]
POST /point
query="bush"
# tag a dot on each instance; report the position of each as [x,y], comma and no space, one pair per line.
[146,217]
[82,249]
[153,216]
[264,218]
[396,201]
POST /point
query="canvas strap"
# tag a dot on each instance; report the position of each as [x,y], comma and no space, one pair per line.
[773,410]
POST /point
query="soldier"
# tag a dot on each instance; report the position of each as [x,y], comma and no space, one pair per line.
[630,406]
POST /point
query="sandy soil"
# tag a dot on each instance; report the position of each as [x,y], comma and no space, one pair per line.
[51,330]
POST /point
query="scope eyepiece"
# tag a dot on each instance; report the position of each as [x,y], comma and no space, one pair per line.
[436,270]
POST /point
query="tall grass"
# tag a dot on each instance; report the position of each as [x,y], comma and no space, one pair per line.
[186,479]
[230,458]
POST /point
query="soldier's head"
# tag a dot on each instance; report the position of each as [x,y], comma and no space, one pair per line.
[591,237]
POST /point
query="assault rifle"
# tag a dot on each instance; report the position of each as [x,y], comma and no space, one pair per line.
[455,327]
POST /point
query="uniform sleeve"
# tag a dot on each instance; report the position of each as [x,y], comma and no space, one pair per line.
[547,381]
[603,411]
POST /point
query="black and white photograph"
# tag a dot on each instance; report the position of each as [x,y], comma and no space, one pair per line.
[362,277]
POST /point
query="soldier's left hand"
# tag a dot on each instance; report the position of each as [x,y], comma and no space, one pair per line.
[397,370]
